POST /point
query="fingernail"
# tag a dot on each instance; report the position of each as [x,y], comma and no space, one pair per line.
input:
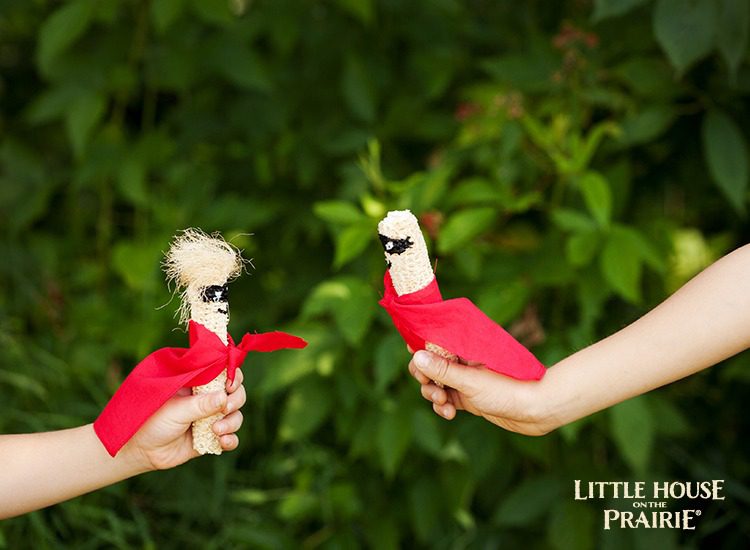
[421,360]
[433,396]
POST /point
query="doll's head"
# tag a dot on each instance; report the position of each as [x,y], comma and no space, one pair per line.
[201,266]
[405,251]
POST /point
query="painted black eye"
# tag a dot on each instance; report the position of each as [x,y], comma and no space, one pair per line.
[215,293]
[395,246]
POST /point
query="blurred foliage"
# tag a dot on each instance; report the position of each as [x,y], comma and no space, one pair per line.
[571,162]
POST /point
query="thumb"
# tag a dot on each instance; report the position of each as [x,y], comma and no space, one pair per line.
[194,407]
[460,377]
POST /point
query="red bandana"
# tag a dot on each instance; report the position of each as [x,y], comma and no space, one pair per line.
[158,377]
[460,327]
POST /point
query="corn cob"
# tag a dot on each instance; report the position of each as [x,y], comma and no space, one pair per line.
[408,260]
[201,265]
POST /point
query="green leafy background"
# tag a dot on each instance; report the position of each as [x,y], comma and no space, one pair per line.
[572,163]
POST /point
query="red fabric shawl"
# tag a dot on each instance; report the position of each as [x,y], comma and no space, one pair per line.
[162,373]
[460,327]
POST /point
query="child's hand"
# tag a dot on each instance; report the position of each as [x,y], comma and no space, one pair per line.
[44,468]
[509,403]
[165,441]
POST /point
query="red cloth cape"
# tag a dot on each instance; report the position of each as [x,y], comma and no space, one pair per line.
[460,327]
[162,373]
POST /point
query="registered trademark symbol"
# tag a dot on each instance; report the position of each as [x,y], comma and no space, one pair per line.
[698,512]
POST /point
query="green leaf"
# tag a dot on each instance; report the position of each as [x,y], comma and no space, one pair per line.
[306,408]
[137,263]
[425,189]
[61,29]
[731,36]
[350,301]
[26,188]
[254,497]
[571,431]
[80,121]
[362,442]
[504,302]
[131,181]
[685,30]
[633,427]
[20,383]
[621,263]
[344,500]
[391,359]
[581,247]
[298,505]
[571,220]
[571,526]
[235,61]
[361,9]
[584,152]
[464,226]
[427,432]
[529,72]
[393,438]
[165,12]
[338,212]
[217,12]
[52,103]
[725,150]
[358,89]
[288,368]
[672,421]
[648,77]
[646,125]
[650,253]
[527,502]
[612,8]
[350,243]
[598,197]
[474,191]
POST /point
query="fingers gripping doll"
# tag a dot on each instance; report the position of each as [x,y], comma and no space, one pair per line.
[201,266]
[455,329]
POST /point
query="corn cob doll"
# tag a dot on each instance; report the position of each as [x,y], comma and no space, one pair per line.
[455,329]
[407,259]
[201,266]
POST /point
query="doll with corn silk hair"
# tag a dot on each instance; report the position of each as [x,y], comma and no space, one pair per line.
[201,266]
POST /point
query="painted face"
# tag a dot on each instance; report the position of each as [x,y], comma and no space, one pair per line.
[217,294]
[395,246]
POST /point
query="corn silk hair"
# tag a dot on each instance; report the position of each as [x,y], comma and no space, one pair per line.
[195,260]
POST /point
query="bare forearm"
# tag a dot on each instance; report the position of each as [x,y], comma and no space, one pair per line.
[703,323]
[37,470]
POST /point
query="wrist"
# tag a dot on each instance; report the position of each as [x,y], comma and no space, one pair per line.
[133,460]
[545,404]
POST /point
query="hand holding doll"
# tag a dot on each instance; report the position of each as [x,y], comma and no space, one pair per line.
[703,323]
[41,469]
[176,404]
[165,440]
